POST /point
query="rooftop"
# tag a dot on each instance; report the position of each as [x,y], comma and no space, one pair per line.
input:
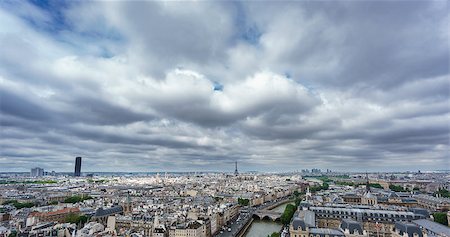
[433,226]
[109,211]
[326,231]
[58,212]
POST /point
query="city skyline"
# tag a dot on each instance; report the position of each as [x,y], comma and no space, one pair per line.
[197,86]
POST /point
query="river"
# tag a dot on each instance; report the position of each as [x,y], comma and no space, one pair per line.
[262,228]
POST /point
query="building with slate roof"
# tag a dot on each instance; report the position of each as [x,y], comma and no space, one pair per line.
[368,198]
[101,215]
[397,199]
[431,228]
[351,198]
[373,221]
[421,211]
[352,228]
[394,198]
[298,224]
[433,203]
[192,228]
[363,215]
[405,229]
[325,232]
[304,224]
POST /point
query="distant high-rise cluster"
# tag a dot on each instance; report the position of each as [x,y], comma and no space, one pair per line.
[314,171]
[77,167]
[37,172]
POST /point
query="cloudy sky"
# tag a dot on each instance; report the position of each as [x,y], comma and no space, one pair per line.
[185,86]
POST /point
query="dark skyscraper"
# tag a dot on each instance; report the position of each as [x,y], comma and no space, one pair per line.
[236,170]
[77,167]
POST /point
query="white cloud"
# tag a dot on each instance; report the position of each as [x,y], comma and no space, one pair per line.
[135,81]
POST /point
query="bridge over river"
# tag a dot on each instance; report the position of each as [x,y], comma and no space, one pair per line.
[271,212]
[268,214]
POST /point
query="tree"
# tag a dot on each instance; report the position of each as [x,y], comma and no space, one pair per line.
[274,234]
[441,218]
[76,219]
[325,179]
[19,205]
[343,183]
[324,186]
[77,198]
[13,234]
[375,185]
[396,188]
[72,218]
[288,214]
[443,192]
[53,203]
[243,201]
[298,201]
[83,219]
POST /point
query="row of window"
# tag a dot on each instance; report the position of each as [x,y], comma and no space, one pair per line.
[365,214]
[310,235]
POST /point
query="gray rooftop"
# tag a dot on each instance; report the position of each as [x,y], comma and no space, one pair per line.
[434,227]
[309,217]
[298,223]
[326,231]
[432,198]
[393,195]
[409,228]
[107,212]
[304,219]
[421,211]
[351,226]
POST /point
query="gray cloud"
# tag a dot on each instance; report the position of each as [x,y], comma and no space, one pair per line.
[15,105]
[130,85]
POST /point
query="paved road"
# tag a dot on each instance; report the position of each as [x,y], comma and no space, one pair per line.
[235,226]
